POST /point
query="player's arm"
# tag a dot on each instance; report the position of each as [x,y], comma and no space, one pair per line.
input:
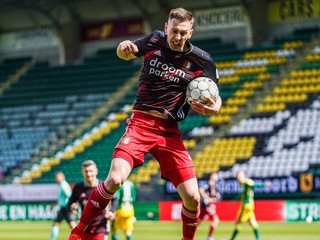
[66,189]
[73,201]
[126,50]
[204,195]
[217,196]
[212,106]
[133,193]
[262,185]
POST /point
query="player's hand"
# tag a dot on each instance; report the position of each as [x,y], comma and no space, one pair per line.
[110,215]
[210,108]
[268,184]
[73,208]
[127,48]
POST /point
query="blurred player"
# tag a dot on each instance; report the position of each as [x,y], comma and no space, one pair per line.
[98,229]
[170,63]
[126,196]
[246,209]
[64,193]
[209,196]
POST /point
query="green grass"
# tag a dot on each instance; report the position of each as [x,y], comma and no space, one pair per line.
[149,230]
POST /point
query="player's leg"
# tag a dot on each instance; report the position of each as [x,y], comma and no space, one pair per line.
[55,226]
[101,196]
[176,165]
[128,228]
[54,231]
[236,230]
[114,228]
[241,217]
[115,236]
[190,196]
[253,223]
[213,225]
[128,234]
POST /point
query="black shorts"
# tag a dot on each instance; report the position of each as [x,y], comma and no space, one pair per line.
[64,214]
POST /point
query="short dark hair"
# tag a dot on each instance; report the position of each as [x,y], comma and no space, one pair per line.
[88,163]
[181,14]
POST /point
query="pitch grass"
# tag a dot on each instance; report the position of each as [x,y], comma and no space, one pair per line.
[156,230]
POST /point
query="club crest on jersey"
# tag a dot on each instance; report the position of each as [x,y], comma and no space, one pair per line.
[125,140]
[187,65]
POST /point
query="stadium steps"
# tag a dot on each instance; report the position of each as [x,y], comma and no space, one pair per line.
[98,148]
[298,66]
[285,72]
[96,116]
[276,80]
[66,137]
[106,106]
[14,77]
[250,108]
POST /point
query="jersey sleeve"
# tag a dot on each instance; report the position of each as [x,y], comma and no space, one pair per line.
[74,195]
[249,183]
[211,71]
[66,189]
[133,192]
[142,44]
[259,185]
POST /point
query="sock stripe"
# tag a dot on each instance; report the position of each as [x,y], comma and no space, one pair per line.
[104,193]
[187,213]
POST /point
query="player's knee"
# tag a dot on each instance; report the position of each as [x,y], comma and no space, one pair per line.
[215,221]
[114,180]
[192,201]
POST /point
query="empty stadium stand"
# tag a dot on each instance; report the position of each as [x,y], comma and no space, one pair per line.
[46,104]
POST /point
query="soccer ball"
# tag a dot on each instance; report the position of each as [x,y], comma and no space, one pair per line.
[201,87]
[309,219]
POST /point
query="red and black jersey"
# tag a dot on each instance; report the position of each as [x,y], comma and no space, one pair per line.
[211,189]
[80,194]
[166,74]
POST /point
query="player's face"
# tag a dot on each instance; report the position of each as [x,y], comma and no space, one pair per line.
[59,178]
[240,176]
[90,174]
[178,33]
[214,177]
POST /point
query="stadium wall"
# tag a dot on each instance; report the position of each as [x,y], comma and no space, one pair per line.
[285,17]
[266,210]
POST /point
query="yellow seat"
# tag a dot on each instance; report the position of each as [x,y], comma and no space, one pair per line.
[35,174]
[45,167]
[54,161]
